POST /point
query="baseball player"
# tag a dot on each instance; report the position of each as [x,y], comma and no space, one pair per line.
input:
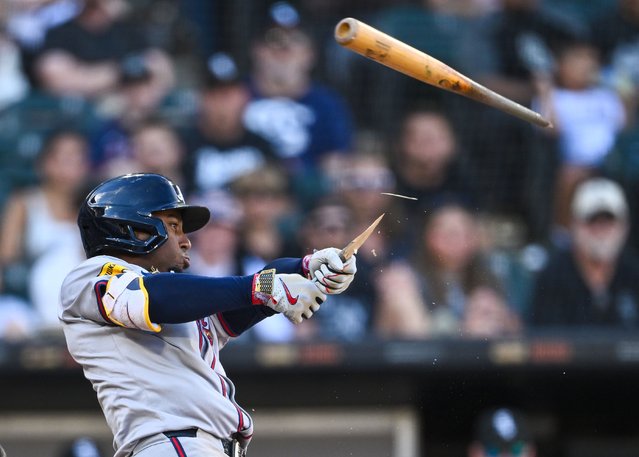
[148,337]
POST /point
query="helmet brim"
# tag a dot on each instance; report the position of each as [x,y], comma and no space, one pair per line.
[194,218]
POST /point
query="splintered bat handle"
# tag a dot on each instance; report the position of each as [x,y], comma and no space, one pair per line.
[343,254]
[352,247]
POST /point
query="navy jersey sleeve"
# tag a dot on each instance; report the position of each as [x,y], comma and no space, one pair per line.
[175,298]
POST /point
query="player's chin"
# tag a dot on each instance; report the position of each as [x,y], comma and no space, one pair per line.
[179,267]
[184,264]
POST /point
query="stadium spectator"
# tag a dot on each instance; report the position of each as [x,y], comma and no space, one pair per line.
[84,56]
[307,123]
[137,97]
[25,126]
[429,166]
[616,34]
[360,184]
[187,30]
[616,30]
[27,23]
[585,11]
[82,446]
[17,318]
[502,432]
[520,39]
[447,288]
[428,163]
[269,212]
[433,26]
[504,52]
[220,148]
[39,224]
[586,115]
[215,246]
[13,84]
[155,148]
[349,316]
[594,282]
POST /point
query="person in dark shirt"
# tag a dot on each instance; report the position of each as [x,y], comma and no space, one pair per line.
[220,148]
[308,123]
[429,168]
[616,35]
[594,282]
[350,318]
[617,31]
[507,52]
[84,56]
[428,160]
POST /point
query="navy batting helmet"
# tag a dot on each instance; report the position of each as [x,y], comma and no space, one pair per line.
[116,208]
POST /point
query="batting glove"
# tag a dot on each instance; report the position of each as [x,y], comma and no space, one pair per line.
[290,294]
[332,275]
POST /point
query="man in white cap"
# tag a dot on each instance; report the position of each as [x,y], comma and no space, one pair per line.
[594,282]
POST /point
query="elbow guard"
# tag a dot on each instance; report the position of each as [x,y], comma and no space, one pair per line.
[126,302]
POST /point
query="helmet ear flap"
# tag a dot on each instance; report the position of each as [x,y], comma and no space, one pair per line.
[120,232]
[125,234]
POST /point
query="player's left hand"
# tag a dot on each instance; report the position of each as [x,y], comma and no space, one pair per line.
[331,274]
[295,296]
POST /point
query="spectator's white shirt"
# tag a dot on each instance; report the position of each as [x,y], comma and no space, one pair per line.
[13,84]
[47,274]
[589,121]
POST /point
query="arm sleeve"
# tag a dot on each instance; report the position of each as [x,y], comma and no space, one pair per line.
[237,321]
[286,265]
[176,298]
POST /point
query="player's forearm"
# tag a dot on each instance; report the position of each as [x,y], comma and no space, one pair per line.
[287,265]
[176,298]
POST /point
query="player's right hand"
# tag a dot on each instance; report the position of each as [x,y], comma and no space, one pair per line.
[294,296]
[332,274]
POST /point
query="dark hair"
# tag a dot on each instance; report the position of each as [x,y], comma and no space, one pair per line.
[134,69]
[52,139]
[422,108]
[574,43]
[281,16]
[427,108]
[474,275]
[153,121]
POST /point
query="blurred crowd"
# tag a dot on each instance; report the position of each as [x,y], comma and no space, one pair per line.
[492,227]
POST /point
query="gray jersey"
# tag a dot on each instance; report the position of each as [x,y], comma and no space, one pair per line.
[148,382]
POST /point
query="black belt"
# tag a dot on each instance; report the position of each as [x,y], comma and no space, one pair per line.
[232,448]
[186,433]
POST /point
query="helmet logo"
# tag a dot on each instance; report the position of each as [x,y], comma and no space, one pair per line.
[178,192]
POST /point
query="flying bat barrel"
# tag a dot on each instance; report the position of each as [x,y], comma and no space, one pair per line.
[380,47]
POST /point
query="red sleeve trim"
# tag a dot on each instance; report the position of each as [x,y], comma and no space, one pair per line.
[99,288]
[225,325]
[305,264]
[254,298]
